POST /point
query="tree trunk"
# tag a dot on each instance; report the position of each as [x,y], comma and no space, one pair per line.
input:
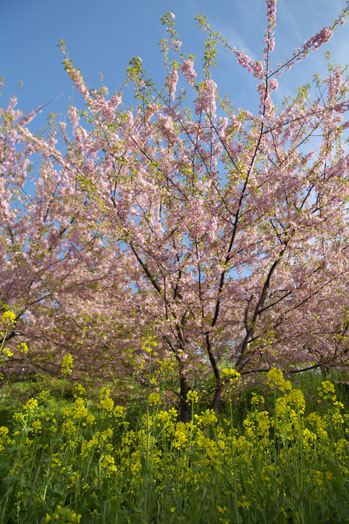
[217,399]
[185,406]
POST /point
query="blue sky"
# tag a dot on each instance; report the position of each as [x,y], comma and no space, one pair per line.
[103,35]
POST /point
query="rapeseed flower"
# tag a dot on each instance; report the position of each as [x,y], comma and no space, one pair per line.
[67,365]
[4,438]
[275,379]
[8,318]
[193,397]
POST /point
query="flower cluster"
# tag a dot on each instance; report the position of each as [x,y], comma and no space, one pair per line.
[171,83]
[271,13]
[67,365]
[7,322]
[206,101]
[8,318]
[275,379]
[320,38]
[193,397]
[189,71]
[63,514]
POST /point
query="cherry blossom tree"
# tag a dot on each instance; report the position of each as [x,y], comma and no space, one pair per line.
[222,233]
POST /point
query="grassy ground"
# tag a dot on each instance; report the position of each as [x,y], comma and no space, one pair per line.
[279,454]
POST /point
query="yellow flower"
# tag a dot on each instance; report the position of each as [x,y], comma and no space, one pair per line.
[79,390]
[44,394]
[7,352]
[193,397]
[244,503]
[308,439]
[337,419]
[207,417]
[180,435]
[119,412]
[107,404]
[9,317]
[149,343]
[67,365]
[275,379]
[37,425]
[80,410]
[32,404]
[108,466]
[231,373]
[104,393]
[256,400]
[4,439]
[296,398]
[23,348]
[90,419]
[74,479]
[55,462]
[327,391]
[64,515]
[154,398]
[69,429]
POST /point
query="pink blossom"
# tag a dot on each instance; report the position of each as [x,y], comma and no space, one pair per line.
[115,101]
[273,84]
[212,229]
[171,83]
[243,59]
[320,38]
[271,12]
[27,118]
[258,70]
[206,100]
[77,78]
[167,128]
[334,84]
[73,115]
[261,89]
[188,71]
[175,44]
